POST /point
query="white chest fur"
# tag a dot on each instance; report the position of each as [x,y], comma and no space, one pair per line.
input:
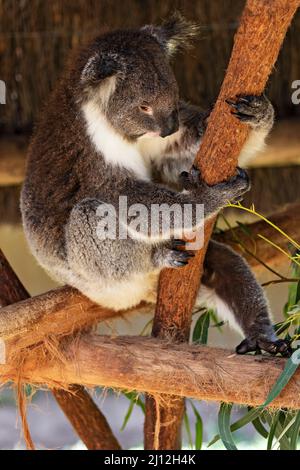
[137,157]
[116,150]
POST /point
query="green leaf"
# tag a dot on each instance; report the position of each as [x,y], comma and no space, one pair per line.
[135,397]
[278,430]
[246,229]
[134,400]
[294,287]
[128,414]
[199,434]
[224,426]
[288,422]
[243,421]
[200,333]
[293,294]
[287,373]
[260,427]
[188,429]
[217,323]
[272,431]
[295,432]
[198,429]
[281,327]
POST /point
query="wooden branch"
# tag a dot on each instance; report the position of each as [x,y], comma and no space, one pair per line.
[64,310]
[288,220]
[87,420]
[158,367]
[11,288]
[256,46]
[56,313]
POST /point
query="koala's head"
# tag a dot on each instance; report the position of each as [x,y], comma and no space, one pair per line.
[126,75]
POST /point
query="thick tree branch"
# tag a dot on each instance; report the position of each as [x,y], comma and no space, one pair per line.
[56,313]
[158,367]
[87,420]
[256,46]
[62,311]
[288,220]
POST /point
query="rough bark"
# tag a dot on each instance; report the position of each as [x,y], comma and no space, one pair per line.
[256,46]
[11,288]
[62,311]
[87,420]
[55,314]
[157,366]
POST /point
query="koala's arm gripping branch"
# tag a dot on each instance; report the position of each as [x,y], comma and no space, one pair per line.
[256,46]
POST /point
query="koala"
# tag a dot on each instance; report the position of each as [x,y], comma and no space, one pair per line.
[115,126]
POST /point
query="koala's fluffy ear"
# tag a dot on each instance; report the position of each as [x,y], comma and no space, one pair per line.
[99,67]
[175,33]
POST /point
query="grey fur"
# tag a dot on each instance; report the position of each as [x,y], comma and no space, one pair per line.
[71,171]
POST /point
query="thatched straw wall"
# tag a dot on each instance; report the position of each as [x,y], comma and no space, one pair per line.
[36,36]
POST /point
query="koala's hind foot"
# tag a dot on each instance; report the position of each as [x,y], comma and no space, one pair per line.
[259,343]
[257,111]
[171,254]
[230,286]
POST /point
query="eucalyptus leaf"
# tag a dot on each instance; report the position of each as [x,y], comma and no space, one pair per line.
[295,433]
[188,429]
[243,421]
[200,333]
[290,368]
[224,426]
[198,429]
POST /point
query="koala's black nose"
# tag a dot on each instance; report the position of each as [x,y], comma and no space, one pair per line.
[170,125]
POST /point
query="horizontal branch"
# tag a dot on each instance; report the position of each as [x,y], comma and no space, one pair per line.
[158,367]
[288,220]
[62,311]
[199,372]
[57,313]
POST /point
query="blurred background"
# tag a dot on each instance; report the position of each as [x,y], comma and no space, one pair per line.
[36,37]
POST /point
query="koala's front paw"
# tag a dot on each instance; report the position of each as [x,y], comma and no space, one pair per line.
[172,255]
[218,194]
[235,187]
[257,111]
[279,346]
[192,180]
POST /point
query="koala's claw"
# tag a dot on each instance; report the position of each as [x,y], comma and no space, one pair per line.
[191,179]
[195,173]
[179,259]
[257,111]
[172,254]
[236,186]
[241,173]
[279,346]
[177,256]
[177,242]
[221,193]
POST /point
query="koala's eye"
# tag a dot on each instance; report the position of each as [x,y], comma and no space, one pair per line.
[146,109]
